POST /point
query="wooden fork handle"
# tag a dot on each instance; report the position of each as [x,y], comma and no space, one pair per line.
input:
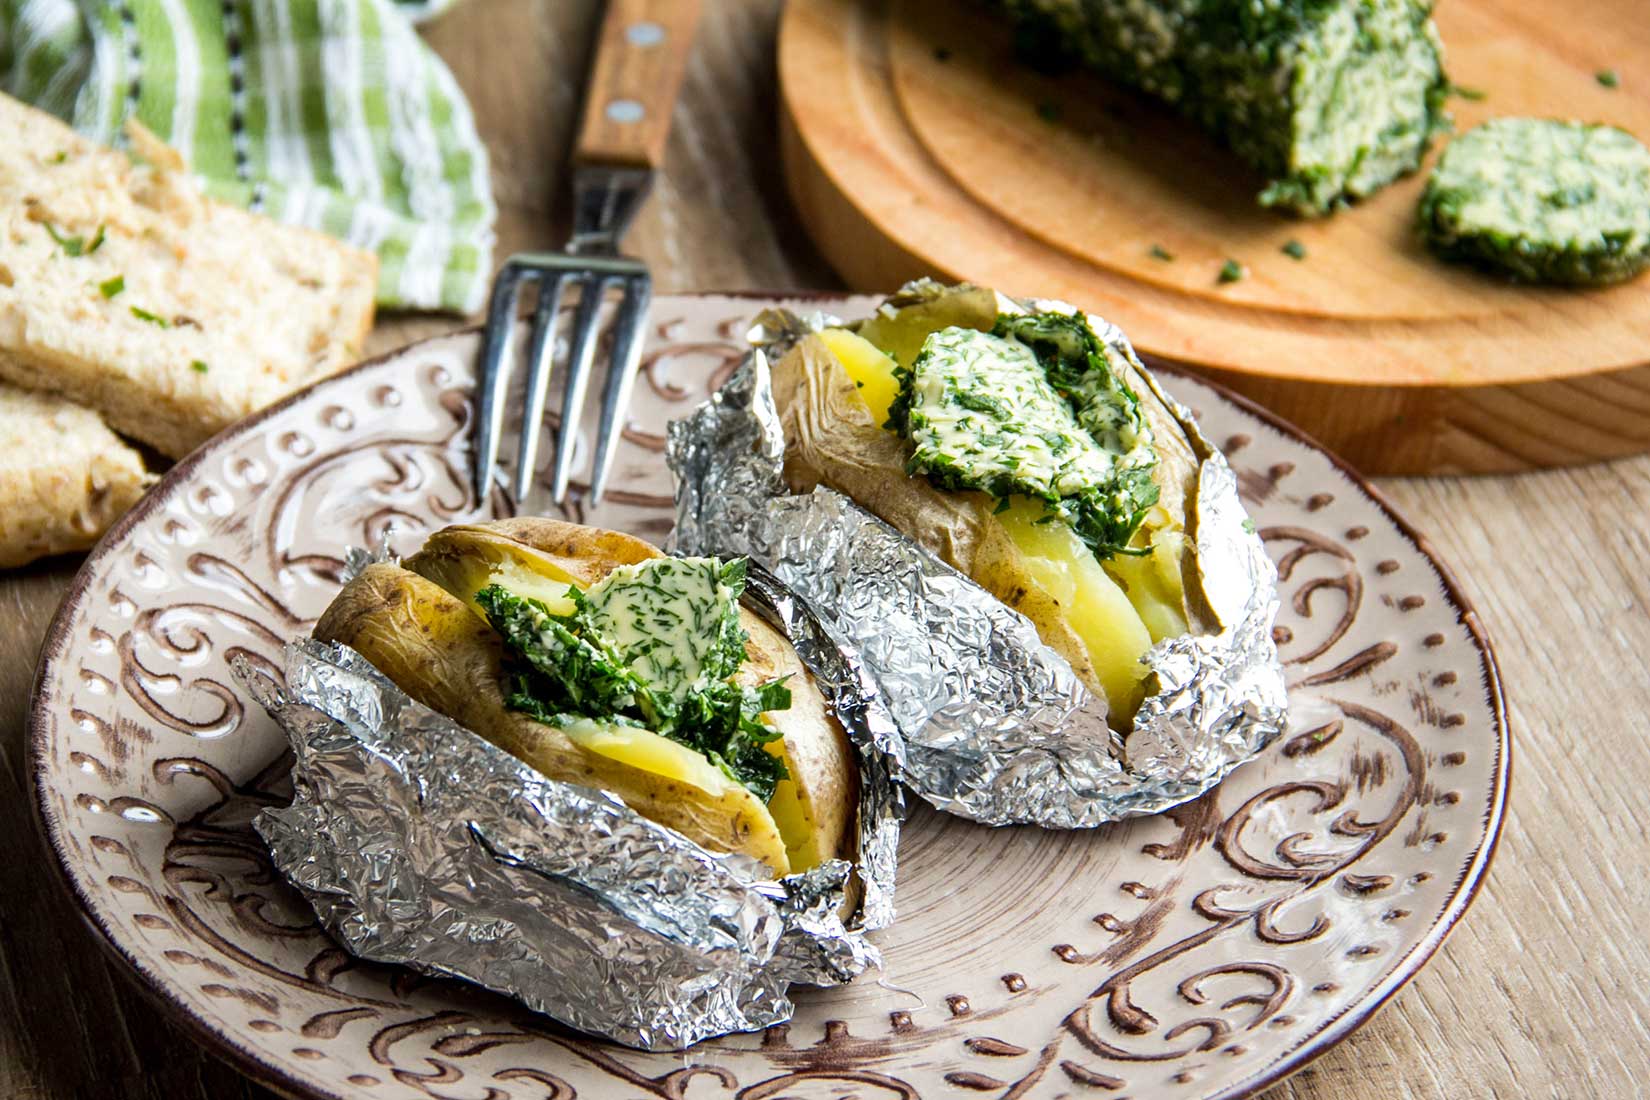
[641,57]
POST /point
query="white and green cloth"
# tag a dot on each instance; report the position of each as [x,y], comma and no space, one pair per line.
[328,113]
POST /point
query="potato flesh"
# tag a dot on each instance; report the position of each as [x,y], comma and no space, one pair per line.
[1118,609]
[869,366]
[483,561]
[1094,604]
[649,752]
[486,561]
[1154,582]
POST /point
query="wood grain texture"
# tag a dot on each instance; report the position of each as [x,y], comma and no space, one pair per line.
[915,144]
[1543,991]
[642,53]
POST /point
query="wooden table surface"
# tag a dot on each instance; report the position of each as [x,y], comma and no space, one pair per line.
[1544,991]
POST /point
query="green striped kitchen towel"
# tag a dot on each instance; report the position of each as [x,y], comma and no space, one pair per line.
[327,113]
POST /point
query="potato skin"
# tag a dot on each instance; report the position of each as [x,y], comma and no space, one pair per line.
[435,648]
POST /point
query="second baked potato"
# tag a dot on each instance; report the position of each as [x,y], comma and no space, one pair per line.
[779,785]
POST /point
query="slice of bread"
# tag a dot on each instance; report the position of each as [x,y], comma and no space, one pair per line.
[64,476]
[125,289]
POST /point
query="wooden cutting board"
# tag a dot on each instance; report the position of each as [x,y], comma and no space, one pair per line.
[914,144]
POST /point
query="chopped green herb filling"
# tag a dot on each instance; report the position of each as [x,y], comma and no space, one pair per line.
[199,366]
[1294,250]
[1158,252]
[654,645]
[1608,77]
[1033,408]
[1230,272]
[110,287]
[144,315]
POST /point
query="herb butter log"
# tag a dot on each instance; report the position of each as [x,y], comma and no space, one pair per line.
[599,661]
[1024,452]
[1330,99]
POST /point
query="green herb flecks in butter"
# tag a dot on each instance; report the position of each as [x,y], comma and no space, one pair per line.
[1331,99]
[75,246]
[1032,408]
[653,645]
[1542,201]
[676,622]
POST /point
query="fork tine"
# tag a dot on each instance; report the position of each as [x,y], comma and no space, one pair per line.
[541,351]
[621,375]
[578,378]
[493,378]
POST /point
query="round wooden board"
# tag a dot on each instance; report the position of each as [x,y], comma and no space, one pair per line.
[914,144]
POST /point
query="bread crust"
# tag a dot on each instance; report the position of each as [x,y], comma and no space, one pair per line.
[64,477]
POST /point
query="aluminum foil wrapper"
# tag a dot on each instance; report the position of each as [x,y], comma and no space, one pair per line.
[419,843]
[996,726]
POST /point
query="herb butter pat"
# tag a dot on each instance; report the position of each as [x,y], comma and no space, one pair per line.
[1032,409]
[1542,201]
[654,645]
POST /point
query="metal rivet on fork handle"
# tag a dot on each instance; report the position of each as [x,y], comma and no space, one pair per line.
[641,57]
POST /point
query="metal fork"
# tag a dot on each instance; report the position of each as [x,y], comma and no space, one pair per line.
[641,57]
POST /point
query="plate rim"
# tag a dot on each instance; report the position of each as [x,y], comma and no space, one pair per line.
[247,1060]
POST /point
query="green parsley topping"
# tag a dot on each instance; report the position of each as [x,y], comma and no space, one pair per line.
[62,155]
[1294,250]
[654,645]
[75,246]
[144,315]
[1033,408]
[111,287]
[1230,272]
[1158,252]
[199,366]
[1609,78]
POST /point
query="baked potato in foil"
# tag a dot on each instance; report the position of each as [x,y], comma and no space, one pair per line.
[431,624]
[535,752]
[1023,446]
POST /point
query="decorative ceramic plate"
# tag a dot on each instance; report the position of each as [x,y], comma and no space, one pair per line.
[1203,953]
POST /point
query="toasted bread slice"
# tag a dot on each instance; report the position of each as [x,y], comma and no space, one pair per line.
[64,476]
[125,289]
